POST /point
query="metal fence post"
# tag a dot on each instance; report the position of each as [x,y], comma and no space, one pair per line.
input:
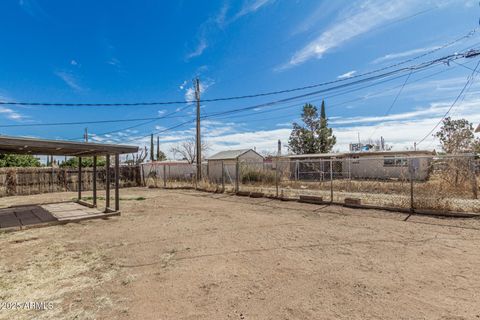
[223,176]
[276,178]
[169,172]
[164,176]
[237,176]
[331,180]
[473,175]
[411,169]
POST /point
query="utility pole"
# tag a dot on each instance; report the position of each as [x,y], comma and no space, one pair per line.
[85,135]
[152,147]
[198,141]
[158,148]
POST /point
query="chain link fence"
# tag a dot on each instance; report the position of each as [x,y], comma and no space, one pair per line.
[436,183]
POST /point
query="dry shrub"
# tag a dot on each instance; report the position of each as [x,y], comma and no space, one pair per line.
[257,176]
[11,181]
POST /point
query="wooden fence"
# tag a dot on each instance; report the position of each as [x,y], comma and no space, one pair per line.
[25,181]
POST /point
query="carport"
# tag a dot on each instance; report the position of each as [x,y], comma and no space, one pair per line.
[33,146]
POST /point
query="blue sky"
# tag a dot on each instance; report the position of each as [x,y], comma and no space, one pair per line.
[130,51]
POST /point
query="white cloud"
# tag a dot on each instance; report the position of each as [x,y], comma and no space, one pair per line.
[182,86]
[190,91]
[74,63]
[351,23]
[161,112]
[201,46]
[251,7]
[346,75]
[404,54]
[219,21]
[323,10]
[10,114]
[70,79]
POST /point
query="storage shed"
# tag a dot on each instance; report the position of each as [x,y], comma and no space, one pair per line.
[228,160]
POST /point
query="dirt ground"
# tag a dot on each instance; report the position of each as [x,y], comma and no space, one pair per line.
[182,254]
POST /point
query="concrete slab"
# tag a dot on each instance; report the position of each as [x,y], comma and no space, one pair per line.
[20,217]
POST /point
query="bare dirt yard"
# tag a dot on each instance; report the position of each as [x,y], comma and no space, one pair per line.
[182,254]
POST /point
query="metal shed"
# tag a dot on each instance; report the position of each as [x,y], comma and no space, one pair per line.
[225,162]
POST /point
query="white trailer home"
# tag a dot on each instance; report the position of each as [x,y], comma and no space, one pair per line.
[388,164]
[361,165]
[228,159]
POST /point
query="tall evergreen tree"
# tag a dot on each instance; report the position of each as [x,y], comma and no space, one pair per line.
[315,136]
[326,137]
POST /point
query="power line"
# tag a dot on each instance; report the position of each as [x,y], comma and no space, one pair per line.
[469,79]
[228,113]
[151,120]
[393,102]
[414,68]
[255,95]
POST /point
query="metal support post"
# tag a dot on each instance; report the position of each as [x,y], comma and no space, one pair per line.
[79,178]
[117,182]
[94,181]
[107,182]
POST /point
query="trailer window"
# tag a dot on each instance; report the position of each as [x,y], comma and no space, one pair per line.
[388,161]
[395,162]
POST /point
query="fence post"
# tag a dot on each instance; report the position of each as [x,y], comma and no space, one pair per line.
[164,175]
[331,180]
[237,176]
[223,176]
[276,177]
[296,170]
[169,175]
[473,175]
[142,172]
[411,169]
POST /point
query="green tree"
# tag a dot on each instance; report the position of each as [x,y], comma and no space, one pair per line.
[161,155]
[315,136]
[19,160]
[457,136]
[86,162]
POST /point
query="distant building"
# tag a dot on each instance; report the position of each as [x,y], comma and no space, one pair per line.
[363,165]
[170,169]
[229,159]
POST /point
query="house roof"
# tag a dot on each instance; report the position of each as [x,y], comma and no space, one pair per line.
[20,145]
[230,154]
[316,155]
[367,153]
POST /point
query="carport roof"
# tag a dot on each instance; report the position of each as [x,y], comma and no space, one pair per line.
[20,145]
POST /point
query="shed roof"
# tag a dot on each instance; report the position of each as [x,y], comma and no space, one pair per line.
[20,145]
[230,154]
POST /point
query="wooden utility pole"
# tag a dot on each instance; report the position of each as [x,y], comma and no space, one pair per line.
[198,141]
[85,135]
[152,148]
[158,148]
